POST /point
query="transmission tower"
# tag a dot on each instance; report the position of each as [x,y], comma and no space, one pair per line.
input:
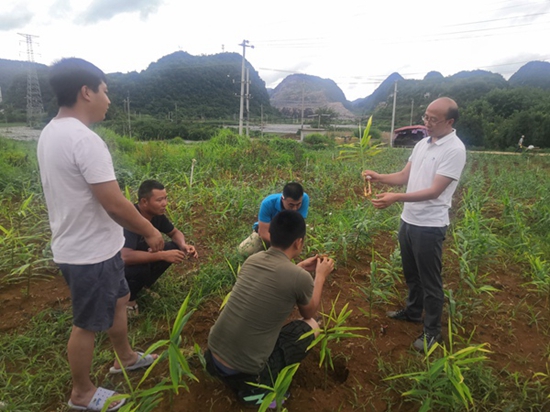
[35,109]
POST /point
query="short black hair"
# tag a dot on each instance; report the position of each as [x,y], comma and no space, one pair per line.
[146,188]
[67,76]
[293,190]
[286,227]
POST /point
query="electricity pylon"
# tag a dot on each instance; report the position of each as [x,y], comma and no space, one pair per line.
[35,109]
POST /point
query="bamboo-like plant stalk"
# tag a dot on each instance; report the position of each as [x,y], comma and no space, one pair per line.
[362,149]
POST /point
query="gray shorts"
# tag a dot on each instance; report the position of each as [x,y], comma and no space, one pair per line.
[95,290]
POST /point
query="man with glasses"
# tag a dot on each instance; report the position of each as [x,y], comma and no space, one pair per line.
[292,198]
[431,176]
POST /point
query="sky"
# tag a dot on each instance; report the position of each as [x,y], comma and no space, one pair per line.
[358,44]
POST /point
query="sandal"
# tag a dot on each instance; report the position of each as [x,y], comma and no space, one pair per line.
[98,401]
[142,361]
[132,311]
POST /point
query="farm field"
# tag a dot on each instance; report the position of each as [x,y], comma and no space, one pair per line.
[496,277]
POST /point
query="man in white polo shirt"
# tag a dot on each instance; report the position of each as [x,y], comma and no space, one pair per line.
[431,176]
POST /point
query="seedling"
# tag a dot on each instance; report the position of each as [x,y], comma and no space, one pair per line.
[148,399]
[279,390]
[332,329]
[441,385]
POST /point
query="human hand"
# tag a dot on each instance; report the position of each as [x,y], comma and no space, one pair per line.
[325,265]
[155,241]
[191,251]
[370,175]
[309,264]
[173,256]
[383,200]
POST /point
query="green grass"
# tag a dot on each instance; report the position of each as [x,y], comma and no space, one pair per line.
[500,218]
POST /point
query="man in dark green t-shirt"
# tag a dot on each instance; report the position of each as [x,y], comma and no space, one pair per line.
[249,341]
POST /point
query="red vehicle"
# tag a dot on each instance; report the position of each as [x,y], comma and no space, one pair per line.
[408,136]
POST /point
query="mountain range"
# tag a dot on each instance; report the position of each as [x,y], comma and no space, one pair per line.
[208,87]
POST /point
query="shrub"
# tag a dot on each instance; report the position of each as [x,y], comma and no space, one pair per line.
[319,141]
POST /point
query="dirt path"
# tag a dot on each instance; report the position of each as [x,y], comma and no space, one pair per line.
[19,133]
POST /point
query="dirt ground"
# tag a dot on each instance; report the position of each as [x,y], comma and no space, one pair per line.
[356,383]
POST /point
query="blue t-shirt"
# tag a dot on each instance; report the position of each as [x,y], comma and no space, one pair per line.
[272,205]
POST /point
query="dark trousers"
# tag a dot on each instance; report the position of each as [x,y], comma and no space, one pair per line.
[140,276]
[421,251]
[289,349]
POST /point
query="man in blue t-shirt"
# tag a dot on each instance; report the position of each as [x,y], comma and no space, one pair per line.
[142,267]
[292,198]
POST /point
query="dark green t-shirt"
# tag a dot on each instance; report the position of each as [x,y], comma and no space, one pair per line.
[268,287]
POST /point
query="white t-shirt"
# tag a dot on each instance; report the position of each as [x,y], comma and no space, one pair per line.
[71,157]
[446,157]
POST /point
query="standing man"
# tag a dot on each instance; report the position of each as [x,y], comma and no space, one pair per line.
[292,198]
[431,176]
[520,144]
[87,210]
[248,342]
[143,268]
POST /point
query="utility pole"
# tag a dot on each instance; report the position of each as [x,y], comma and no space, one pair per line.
[34,96]
[247,100]
[393,112]
[412,108]
[302,117]
[262,120]
[241,110]
[127,104]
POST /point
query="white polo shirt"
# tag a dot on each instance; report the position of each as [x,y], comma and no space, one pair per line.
[446,157]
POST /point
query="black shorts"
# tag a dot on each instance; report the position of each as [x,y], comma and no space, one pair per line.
[288,350]
[95,290]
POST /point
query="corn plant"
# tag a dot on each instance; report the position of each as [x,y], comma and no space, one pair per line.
[277,393]
[332,329]
[442,383]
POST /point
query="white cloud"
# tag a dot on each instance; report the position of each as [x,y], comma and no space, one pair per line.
[100,10]
[16,18]
[357,44]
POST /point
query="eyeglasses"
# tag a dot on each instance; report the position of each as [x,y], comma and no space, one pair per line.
[431,120]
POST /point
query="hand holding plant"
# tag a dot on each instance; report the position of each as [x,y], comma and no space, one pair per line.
[325,265]
[363,149]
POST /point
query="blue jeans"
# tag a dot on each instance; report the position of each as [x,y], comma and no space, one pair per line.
[421,251]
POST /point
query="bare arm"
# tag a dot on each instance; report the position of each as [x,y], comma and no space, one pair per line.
[125,214]
[394,179]
[439,184]
[263,231]
[140,257]
[323,269]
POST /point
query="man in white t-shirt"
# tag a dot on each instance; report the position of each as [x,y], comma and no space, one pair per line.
[87,211]
[431,176]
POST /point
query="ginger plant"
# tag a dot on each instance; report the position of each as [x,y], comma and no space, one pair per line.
[362,149]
